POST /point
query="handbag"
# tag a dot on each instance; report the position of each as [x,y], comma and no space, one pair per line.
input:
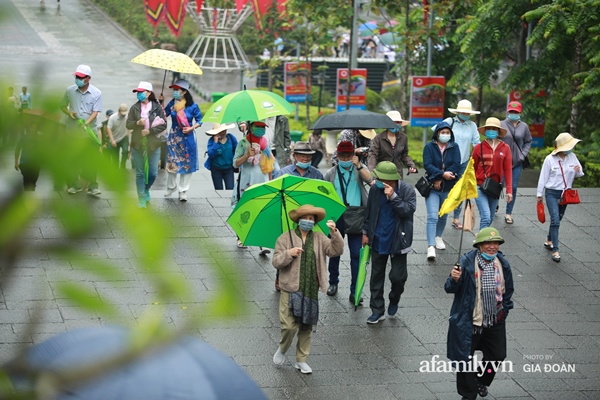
[490,186]
[469,222]
[541,213]
[569,196]
[526,163]
[354,216]
[423,186]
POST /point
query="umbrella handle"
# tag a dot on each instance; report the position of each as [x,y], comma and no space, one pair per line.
[163,85]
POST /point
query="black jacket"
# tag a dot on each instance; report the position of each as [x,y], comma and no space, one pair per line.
[404,205]
[136,131]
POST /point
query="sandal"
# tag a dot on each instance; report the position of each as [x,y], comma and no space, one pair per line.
[556,256]
[240,245]
[508,219]
[548,245]
[482,390]
[457,225]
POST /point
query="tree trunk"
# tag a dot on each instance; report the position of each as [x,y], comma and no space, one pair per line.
[308,75]
[522,49]
[479,102]
[404,106]
[576,83]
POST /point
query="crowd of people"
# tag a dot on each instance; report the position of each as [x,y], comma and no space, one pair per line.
[367,173]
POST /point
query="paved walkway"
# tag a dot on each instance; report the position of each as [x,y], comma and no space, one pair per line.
[555,325]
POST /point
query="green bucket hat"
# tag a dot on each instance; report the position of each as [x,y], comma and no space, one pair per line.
[386,171]
[488,235]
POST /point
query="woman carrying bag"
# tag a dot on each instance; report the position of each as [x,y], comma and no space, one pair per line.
[559,170]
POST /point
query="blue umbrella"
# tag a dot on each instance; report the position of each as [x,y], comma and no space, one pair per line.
[367,25]
[186,369]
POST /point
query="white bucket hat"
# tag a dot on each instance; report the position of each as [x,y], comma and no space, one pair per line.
[464,106]
[396,117]
[565,142]
[217,128]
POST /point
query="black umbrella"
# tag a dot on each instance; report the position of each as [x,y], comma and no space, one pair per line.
[354,119]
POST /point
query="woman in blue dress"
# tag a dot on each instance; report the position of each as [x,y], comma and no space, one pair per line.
[182,150]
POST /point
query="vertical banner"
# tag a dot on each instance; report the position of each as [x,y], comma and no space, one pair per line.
[536,123]
[427,100]
[354,85]
[296,77]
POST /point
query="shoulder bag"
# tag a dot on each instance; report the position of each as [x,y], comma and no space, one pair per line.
[423,186]
[354,216]
[490,186]
[569,196]
[525,163]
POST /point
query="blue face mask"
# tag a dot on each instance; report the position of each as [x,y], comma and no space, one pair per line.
[566,153]
[176,94]
[306,224]
[514,117]
[395,130]
[463,117]
[141,96]
[79,82]
[303,165]
[488,257]
[379,184]
[444,138]
[345,164]
[491,134]
[258,132]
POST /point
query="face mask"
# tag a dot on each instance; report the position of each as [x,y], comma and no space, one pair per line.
[444,138]
[514,117]
[395,130]
[566,153]
[463,117]
[379,184]
[491,134]
[303,165]
[176,94]
[141,96]
[79,82]
[488,257]
[258,132]
[345,164]
[306,224]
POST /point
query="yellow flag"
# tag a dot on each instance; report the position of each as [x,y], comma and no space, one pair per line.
[465,188]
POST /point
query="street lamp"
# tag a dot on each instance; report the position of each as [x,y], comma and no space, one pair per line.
[321,77]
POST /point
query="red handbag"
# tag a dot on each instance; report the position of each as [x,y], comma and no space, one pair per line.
[570,196]
[541,212]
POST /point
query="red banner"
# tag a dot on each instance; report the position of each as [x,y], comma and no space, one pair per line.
[355,84]
[154,11]
[175,13]
[427,100]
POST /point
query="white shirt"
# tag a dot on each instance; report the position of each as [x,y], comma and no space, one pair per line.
[270,131]
[551,176]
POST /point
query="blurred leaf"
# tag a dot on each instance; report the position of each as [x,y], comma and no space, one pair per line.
[85,298]
[149,234]
[97,266]
[77,220]
[16,215]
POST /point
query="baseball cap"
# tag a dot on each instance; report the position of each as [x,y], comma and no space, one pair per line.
[123,109]
[143,86]
[181,84]
[345,147]
[83,70]
[514,106]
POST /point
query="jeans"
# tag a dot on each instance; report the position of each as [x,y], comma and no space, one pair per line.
[458,209]
[435,224]
[316,159]
[398,276]
[487,208]
[137,160]
[556,211]
[354,244]
[220,175]
[516,175]
[122,149]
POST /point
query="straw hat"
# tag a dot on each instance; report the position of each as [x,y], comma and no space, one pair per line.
[492,123]
[218,128]
[307,209]
[368,133]
[565,142]
[397,117]
[464,106]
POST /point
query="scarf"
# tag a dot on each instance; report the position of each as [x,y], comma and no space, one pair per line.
[179,108]
[491,291]
[304,303]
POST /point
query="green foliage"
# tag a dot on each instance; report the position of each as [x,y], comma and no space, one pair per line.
[391,97]
[374,101]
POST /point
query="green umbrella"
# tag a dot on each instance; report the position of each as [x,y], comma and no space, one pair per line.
[261,215]
[247,105]
[365,254]
[389,38]
[89,131]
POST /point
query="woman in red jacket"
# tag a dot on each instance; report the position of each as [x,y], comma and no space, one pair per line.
[492,159]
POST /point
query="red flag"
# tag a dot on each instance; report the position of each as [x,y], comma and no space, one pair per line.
[199,6]
[425,11]
[174,16]
[215,17]
[154,11]
[239,4]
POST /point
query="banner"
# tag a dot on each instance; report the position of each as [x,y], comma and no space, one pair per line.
[427,100]
[536,123]
[355,84]
[296,77]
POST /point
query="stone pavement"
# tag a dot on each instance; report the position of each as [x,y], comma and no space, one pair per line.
[554,327]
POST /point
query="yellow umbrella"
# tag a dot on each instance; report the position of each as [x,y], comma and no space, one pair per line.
[169,61]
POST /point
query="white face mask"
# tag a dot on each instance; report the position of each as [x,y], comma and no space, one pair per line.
[444,138]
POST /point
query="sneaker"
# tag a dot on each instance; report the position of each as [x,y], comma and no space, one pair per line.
[169,192]
[94,192]
[73,190]
[431,253]
[439,243]
[240,245]
[142,202]
[182,196]
[303,367]
[279,357]
[392,309]
[375,318]
[147,195]
[264,252]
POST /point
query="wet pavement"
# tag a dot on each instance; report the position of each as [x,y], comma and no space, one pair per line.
[553,332]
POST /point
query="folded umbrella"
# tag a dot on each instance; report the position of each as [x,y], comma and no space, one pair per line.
[365,254]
